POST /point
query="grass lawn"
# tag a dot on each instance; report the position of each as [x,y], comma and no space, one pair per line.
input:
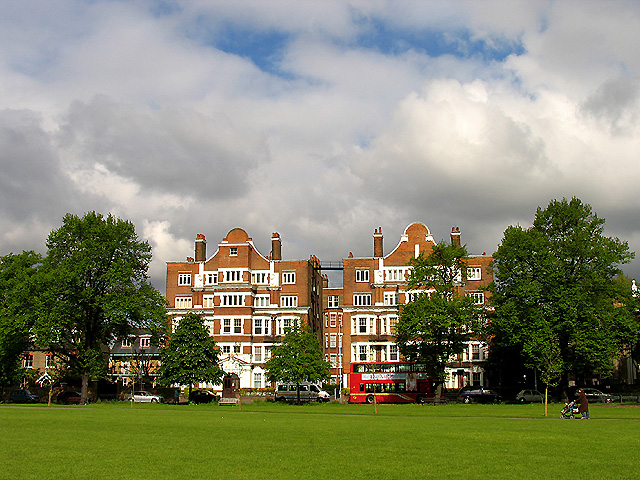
[272,441]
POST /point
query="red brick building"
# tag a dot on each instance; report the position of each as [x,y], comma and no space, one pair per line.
[374,288]
[247,299]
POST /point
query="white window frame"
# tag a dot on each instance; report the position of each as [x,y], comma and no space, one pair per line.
[333,319]
[211,278]
[232,300]
[474,273]
[478,297]
[285,324]
[238,326]
[257,380]
[184,278]
[145,342]
[362,299]
[390,298]
[333,340]
[183,302]
[289,301]
[333,301]
[334,360]
[260,278]
[362,275]
[233,251]
[208,301]
[231,276]
[226,327]
[257,354]
[28,361]
[395,274]
[262,301]
[288,278]
[263,326]
[393,352]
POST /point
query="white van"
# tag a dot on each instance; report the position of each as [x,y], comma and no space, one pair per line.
[309,392]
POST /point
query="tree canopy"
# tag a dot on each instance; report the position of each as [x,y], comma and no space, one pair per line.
[298,358]
[556,294]
[16,311]
[94,288]
[436,324]
[189,355]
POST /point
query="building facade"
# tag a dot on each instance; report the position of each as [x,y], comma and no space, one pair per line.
[248,300]
[361,315]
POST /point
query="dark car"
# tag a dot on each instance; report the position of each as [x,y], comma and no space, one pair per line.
[203,396]
[477,395]
[22,395]
[67,398]
[596,396]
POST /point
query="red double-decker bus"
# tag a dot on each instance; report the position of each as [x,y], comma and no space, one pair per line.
[390,382]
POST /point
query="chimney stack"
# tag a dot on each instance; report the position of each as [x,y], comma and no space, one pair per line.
[455,236]
[276,247]
[201,248]
[377,243]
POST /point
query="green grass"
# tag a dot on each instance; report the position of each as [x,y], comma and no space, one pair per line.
[274,441]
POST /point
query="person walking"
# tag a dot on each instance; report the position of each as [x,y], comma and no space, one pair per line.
[583,405]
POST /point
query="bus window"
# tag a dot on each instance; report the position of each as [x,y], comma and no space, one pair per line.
[404,367]
[387,368]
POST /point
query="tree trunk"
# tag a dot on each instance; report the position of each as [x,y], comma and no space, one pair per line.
[84,389]
[439,394]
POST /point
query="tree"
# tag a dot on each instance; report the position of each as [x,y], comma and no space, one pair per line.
[436,324]
[297,359]
[189,354]
[16,311]
[556,295]
[94,288]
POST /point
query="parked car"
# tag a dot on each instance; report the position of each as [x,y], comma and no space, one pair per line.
[203,396]
[477,395]
[309,392]
[528,396]
[595,395]
[67,398]
[144,397]
[22,395]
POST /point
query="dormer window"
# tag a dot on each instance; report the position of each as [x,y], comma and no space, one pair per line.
[233,251]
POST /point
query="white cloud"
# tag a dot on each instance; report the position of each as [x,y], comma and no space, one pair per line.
[130,107]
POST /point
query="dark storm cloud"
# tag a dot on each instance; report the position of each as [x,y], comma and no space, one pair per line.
[169,150]
[32,184]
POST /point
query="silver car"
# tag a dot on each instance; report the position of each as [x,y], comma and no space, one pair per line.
[144,397]
[528,396]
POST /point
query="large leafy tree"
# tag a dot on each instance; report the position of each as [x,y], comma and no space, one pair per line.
[556,295]
[94,288]
[298,358]
[189,355]
[16,311]
[436,324]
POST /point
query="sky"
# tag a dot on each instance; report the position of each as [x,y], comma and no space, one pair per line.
[319,120]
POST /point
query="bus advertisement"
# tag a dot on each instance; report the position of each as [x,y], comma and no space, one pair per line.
[390,382]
